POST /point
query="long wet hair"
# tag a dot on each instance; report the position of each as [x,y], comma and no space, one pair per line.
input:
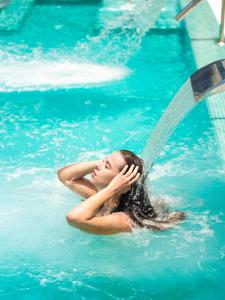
[136,201]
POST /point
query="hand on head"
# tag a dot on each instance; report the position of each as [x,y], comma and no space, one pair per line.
[123,181]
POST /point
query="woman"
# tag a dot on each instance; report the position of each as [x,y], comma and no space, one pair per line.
[115,201]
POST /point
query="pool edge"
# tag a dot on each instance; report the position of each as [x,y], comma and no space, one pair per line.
[203,30]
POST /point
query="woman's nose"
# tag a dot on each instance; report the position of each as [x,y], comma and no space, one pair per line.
[101,164]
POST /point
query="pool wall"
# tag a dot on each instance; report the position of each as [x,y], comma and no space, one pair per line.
[203,29]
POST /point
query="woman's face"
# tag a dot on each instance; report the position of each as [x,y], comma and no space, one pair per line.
[107,169]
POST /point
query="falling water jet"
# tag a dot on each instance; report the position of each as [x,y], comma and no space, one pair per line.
[121,31]
[95,61]
[205,82]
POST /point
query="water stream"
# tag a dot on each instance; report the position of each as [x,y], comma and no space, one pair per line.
[181,104]
[123,25]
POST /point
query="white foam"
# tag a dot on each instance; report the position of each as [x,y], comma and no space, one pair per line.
[124,7]
[18,172]
[44,75]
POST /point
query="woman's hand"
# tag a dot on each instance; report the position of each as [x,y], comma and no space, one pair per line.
[77,170]
[123,181]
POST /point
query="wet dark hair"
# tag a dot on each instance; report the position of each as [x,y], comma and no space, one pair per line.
[136,201]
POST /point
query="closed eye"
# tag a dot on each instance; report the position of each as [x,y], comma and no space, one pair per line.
[108,165]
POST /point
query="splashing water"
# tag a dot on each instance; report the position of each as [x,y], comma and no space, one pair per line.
[97,60]
[45,75]
[124,25]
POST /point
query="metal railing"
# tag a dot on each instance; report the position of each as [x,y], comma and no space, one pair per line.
[188,8]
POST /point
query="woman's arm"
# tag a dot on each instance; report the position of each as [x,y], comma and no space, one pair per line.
[72,177]
[110,224]
[76,170]
[83,216]
[87,209]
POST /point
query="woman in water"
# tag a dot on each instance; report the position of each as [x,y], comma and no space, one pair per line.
[117,198]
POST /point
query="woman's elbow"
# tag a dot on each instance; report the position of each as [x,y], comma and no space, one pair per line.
[73,219]
[59,174]
[62,178]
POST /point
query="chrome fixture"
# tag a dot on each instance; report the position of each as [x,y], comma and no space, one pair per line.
[208,80]
[221,39]
[188,8]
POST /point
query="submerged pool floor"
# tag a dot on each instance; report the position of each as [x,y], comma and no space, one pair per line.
[41,256]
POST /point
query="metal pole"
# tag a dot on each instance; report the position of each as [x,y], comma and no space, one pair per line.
[221,39]
[187,9]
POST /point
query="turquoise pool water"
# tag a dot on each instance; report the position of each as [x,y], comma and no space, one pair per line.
[43,129]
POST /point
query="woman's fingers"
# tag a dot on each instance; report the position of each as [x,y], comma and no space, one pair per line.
[124,169]
[133,174]
[135,178]
[129,172]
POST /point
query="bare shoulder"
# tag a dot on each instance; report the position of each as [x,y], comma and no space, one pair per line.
[125,220]
[109,224]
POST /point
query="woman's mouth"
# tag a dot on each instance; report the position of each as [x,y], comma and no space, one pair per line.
[93,173]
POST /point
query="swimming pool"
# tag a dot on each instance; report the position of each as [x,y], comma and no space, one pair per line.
[44,128]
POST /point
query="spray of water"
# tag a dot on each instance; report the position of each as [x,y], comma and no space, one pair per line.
[96,60]
[46,74]
[123,26]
